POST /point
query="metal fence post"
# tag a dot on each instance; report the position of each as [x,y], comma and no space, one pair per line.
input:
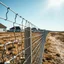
[44,40]
[41,50]
[28,42]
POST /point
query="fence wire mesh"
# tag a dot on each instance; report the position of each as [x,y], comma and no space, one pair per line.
[22,43]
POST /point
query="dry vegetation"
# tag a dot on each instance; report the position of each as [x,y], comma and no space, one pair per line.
[11,50]
[54,48]
[8,51]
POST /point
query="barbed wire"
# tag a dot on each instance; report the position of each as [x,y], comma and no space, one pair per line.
[32,53]
[23,51]
[35,56]
[17,24]
[24,25]
[8,8]
[36,47]
[21,39]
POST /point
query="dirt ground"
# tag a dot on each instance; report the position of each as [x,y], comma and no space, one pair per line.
[13,44]
[54,48]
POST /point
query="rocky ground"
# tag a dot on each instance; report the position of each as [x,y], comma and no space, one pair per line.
[54,48]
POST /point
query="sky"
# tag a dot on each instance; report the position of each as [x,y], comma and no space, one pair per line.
[46,14]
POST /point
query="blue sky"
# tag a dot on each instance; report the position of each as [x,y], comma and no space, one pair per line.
[46,14]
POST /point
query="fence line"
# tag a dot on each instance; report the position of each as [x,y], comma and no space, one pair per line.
[21,39]
[16,14]
[34,38]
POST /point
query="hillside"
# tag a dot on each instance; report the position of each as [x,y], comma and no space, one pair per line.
[54,48]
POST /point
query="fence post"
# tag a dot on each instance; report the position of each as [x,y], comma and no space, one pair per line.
[41,49]
[44,40]
[28,42]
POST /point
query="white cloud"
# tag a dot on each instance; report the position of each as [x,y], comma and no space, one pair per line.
[54,3]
